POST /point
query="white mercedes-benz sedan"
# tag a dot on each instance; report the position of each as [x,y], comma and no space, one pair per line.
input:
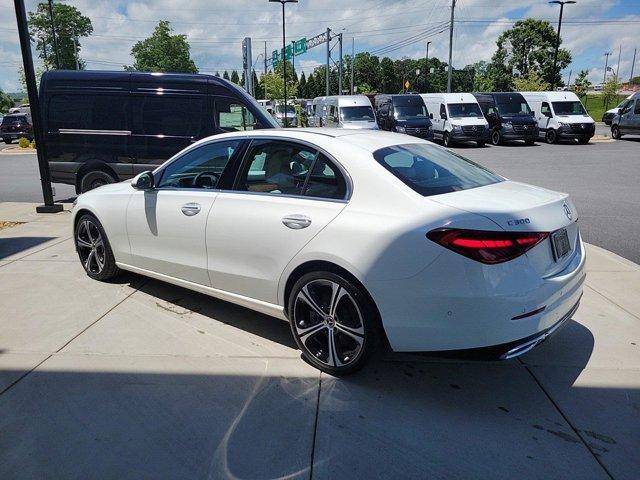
[356,238]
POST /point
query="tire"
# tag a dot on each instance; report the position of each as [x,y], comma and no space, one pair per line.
[95,179]
[496,138]
[93,249]
[529,142]
[615,132]
[551,136]
[480,144]
[583,140]
[446,139]
[7,140]
[354,326]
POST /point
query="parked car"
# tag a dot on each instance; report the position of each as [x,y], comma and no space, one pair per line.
[104,127]
[353,236]
[404,114]
[22,108]
[509,117]
[607,116]
[280,113]
[627,121]
[347,111]
[16,125]
[456,117]
[561,116]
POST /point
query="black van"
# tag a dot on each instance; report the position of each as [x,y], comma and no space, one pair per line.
[405,114]
[104,127]
[509,117]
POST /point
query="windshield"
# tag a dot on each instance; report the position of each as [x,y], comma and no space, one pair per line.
[10,120]
[514,108]
[432,170]
[457,110]
[356,114]
[568,108]
[408,112]
[290,109]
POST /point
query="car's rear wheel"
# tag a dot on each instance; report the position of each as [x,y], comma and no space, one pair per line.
[529,142]
[583,140]
[95,179]
[551,136]
[333,322]
[615,132]
[446,139]
[496,138]
[93,249]
[480,144]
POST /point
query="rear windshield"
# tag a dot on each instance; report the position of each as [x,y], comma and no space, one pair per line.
[568,108]
[431,170]
[356,114]
[460,110]
[14,119]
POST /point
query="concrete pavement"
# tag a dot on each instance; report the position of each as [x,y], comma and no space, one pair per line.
[139,379]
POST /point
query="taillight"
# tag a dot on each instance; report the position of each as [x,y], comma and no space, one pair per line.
[486,246]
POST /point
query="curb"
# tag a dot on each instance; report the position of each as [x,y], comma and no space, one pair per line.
[14,150]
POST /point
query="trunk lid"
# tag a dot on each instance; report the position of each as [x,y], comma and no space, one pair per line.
[518,207]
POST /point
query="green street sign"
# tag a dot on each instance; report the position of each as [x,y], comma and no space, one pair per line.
[300,46]
[297,48]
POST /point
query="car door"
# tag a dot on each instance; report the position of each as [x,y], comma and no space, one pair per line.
[545,116]
[285,193]
[166,225]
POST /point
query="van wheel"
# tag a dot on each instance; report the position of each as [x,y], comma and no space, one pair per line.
[615,132]
[446,139]
[529,142]
[551,136]
[480,144]
[95,179]
[6,140]
[583,140]
[496,138]
[333,322]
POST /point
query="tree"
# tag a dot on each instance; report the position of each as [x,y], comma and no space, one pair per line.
[582,83]
[6,102]
[530,45]
[69,24]
[387,78]
[302,86]
[366,70]
[635,81]
[235,78]
[494,76]
[531,83]
[610,92]
[23,79]
[274,87]
[163,52]
[225,75]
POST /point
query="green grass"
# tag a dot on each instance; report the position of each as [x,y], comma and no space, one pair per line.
[595,107]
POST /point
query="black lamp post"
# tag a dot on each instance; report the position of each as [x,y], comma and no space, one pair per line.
[284,60]
[555,53]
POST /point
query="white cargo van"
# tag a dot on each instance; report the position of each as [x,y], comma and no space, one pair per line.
[560,116]
[456,117]
[348,111]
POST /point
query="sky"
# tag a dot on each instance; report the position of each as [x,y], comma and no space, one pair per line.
[395,28]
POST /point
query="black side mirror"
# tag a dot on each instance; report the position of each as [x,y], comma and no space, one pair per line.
[620,111]
[443,116]
[533,113]
[431,116]
[144,181]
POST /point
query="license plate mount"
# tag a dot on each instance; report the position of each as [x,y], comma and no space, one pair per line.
[560,244]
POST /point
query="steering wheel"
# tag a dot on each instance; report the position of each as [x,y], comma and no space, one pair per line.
[210,176]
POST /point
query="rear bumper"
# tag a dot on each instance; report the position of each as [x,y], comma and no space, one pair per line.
[15,135]
[457,305]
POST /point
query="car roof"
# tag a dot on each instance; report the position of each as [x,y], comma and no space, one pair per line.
[553,96]
[451,97]
[368,140]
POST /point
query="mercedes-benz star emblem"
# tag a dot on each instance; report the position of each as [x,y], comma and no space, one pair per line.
[567,211]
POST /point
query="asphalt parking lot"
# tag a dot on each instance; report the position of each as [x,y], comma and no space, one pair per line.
[603,179]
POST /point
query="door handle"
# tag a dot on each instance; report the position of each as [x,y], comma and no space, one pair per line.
[296,221]
[190,209]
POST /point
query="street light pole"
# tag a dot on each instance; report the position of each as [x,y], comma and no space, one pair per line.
[284,59]
[36,118]
[450,69]
[606,64]
[555,52]
[53,33]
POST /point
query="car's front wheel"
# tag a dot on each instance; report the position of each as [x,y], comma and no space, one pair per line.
[7,140]
[551,136]
[496,138]
[93,249]
[334,322]
[615,132]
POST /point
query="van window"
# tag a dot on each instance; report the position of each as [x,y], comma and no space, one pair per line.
[462,110]
[325,180]
[545,109]
[232,116]
[356,114]
[432,170]
[515,107]
[88,112]
[443,111]
[176,116]
[637,109]
[568,108]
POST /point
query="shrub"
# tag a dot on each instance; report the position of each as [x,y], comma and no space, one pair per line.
[33,143]
[23,142]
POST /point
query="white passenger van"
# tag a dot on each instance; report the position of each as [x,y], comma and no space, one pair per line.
[347,111]
[456,117]
[560,116]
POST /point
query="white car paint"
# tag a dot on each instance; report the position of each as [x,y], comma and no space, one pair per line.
[449,124]
[430,298]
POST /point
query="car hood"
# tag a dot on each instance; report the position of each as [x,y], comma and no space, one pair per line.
[575,119]
[465,121]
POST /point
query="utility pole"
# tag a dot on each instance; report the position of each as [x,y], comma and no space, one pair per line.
[633,64]
[340,64]
[449,74]
[426,69]
[44,52]
[353,58]
[606,64]
[569,81]
[328,60]
[265,58]
[53,33]
[293,59]
[555,51]
[36,113]
[618,68]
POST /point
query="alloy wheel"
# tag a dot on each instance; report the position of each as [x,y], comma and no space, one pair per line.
[329,323]
[495,138]
[90,245]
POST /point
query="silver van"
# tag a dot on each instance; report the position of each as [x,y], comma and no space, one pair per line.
[627,121]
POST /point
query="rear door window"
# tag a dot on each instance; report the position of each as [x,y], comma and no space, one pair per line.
[172,116]
[89,111]
[637,109]
[432,170]
[232,116]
